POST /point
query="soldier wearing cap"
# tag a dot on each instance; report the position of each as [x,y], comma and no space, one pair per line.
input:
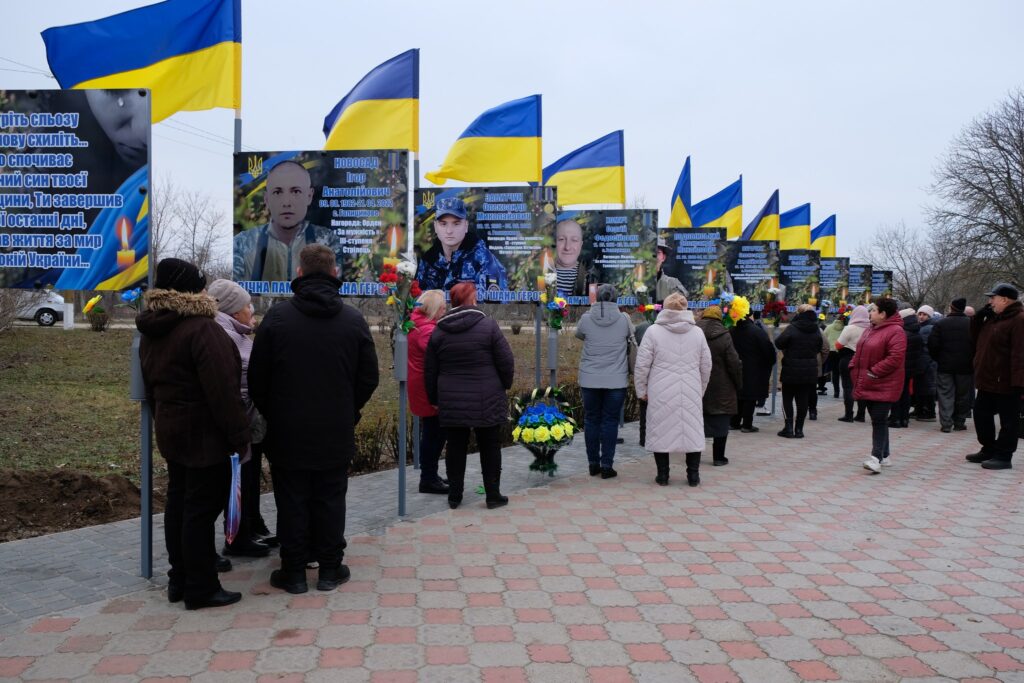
[998,333]
[458,254]
[665,284]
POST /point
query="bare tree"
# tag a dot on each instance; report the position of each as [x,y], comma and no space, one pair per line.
[162,200]
[980,186]
[188,225]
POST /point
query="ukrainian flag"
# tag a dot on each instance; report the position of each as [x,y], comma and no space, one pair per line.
[723,209]
[765,225]
[188,52]
[680,215]
[795,228]
[823,237]
[593,174]
[502,145]
[382,111]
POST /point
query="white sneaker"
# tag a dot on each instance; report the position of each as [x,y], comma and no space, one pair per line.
[887,461]
[873,464]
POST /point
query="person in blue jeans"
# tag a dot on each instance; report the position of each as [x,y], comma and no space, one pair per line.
[603,376]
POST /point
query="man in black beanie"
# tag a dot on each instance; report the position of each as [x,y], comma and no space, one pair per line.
[950,346]
[192,373]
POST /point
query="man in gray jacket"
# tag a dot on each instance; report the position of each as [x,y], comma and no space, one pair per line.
[603,376]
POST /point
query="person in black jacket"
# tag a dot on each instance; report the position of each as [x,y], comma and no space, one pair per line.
[758,357]
[312,369]
[803,349]
[916,367]
[952,349]
[467,369]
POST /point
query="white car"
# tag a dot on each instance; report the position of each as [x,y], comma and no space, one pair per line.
[45,308]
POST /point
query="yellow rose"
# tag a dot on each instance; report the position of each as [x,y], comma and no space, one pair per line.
[541,434]
[558,432]
[568,429]
[515,433]
[527,435]
[544,298]
[91,303]
[391,301]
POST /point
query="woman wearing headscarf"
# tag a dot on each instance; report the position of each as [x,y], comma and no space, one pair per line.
[603,377]
[424,317]
[467,369]
[673,368]
[726,380]
[846,345]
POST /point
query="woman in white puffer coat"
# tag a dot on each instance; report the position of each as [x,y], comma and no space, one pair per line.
[673,368]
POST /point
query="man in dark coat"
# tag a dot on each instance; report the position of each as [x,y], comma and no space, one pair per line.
[998,333]
[916,366]
[192,372]
[313,367]
[803,351]
[952,350]
[758,356]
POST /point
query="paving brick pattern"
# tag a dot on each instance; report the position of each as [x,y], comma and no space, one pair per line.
[792,563]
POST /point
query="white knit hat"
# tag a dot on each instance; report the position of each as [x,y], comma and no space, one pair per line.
[927,310]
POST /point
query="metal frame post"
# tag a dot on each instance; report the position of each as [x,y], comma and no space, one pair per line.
[402,375]
[537,327]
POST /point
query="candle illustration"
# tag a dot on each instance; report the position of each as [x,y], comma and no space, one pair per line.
[813,299]
[125,256]
[709,286]
[392,257]
[545,266]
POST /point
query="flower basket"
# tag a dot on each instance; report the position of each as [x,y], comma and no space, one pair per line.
[95,314]
[542,426]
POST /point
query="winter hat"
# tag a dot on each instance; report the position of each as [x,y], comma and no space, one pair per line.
[607,293]
[927,310]
[907,312]
[713,312]
[181,276]
[859,317]
[958,305]
[230,297]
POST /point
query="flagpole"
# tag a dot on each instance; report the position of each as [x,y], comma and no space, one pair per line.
[412,239]
[238,130]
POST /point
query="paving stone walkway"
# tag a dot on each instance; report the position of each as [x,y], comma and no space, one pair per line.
[792,563]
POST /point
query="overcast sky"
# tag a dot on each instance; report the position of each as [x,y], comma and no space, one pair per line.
[847,105]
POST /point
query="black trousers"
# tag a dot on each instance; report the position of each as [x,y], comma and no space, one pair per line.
[901,410]
[643,422]
[1007,406]
[432,439]
[801,395]
[195,498]
[310,516]
[879,411]
[746,414]
[847,380]
[488,439]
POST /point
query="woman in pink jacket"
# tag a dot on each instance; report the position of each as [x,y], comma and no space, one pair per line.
[877,373]
[432,437]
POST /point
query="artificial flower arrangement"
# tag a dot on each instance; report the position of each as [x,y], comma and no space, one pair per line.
[398,283]
[734,309]
[558,307]
[131,298]
[644,306]
[542,426]
[96,314]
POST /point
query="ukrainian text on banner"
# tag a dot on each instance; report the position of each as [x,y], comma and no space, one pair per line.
[74,183]
[696,257]
[618,249]
[860,284]
[835,281]
[753,268]
[500,238]
[881,282]
[799,276]
[354,202]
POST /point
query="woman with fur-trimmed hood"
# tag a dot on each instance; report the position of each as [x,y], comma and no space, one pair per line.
[192,373]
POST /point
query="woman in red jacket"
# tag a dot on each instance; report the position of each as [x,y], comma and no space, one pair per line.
[877,373]
[432,436]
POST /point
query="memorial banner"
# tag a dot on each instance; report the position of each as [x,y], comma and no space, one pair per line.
[881,283]
[354,202]
[500,238]
[74,188]
[860,284]
[696,257]
[834,279]
[753,269]
[799,276]
[618,249]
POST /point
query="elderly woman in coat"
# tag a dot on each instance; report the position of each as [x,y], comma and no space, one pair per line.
[424,317]
[673,368]
[467,369]
[726,380]
[757,353]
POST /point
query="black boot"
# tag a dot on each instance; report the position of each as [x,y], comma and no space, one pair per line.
[787,431]
[693,469]
[718,451]
[661,460]
[491,466]
[798,431]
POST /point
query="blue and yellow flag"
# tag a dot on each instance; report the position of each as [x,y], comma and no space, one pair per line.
[188,52]
[680,214]
[765,225]
[795,228]
[382,111]
[823,237]
[724,209]
[502,145]
[593,174]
